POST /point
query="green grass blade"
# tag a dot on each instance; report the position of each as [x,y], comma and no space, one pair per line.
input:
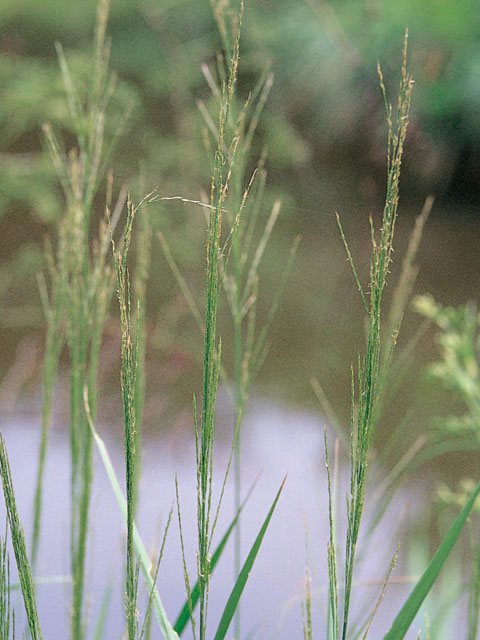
[45,580]
[146,621]
[19,546]
[100,628]
[409,610]
[234,598]
[184,615]
[167,630]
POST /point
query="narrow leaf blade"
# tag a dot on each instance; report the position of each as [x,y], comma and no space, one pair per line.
[409,610]
[184,614]
[234,598]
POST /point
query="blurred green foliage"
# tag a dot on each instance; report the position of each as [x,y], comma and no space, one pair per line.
[323,126]
[325,98]
[458,369]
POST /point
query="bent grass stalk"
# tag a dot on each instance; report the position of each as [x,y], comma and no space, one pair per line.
[140,550]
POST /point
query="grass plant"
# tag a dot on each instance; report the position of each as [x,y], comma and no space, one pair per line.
[241,279]
[370,374]
[76,297]
[82,284]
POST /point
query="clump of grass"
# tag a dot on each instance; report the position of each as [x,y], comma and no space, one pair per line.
[241,276]
[76,303]
[82,284]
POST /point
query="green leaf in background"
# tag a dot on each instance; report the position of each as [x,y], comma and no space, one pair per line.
[409,610]
[234,598]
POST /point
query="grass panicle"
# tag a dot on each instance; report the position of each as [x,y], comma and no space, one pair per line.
[128,385]
[82,285]
[243,199]
[224,157]
[143,253]
[368,381]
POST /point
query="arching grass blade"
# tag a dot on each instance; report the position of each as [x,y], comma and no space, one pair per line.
[234,598]
[409,610]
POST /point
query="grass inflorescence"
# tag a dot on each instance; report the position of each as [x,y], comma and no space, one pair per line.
[369,377]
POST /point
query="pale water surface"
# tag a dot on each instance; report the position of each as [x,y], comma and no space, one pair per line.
[276,441]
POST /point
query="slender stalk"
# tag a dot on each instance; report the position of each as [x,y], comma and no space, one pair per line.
[7,615]
[128,384]
[143,246]
[53,345]
[82,288]
[370,374]
[215,250]
[19,546]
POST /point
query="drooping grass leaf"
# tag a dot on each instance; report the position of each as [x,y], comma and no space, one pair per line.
[237,590]
[409,610]
[167,630]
